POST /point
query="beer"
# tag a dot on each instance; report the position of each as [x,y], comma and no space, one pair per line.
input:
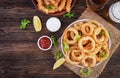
[99,2]
[114,12]
[96,4]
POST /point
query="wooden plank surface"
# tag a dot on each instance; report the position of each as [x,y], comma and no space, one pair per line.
[19,55]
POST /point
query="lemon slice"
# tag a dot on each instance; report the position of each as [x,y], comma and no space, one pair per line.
[37,23]
[58,63]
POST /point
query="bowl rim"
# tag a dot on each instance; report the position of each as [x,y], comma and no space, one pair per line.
[41,47]
[53,14]
[82,20]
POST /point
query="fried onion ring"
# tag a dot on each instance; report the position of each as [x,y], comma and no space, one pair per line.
[66,36]
[89,61]
[103,53]
[95,23]
[69,60]
[100,35]
[72,35]
[77,55]
[86,44]
[87,29]
[97,48]
[78,25]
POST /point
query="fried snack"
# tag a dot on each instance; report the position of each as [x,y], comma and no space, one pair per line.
[72,35]
[100,35]
[44,9]
[87,29]
[95,51]
[62,5]
[41,7]
[89,61]
[68,5]
[78,26]
[54,5]
[67,37]
[69,60]
[95,23]
[102,54]
[86,44]
[47,2]
[74,47]
[52,1]
[77,55]
[57,2]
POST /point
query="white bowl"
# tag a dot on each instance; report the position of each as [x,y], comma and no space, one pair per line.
[53,24]
[81,20]
[43,48]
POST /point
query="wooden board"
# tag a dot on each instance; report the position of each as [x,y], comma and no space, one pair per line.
[89,14]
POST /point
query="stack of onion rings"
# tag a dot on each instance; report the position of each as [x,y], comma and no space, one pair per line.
[88,43]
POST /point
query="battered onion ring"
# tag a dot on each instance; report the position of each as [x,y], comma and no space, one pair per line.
[87,29]
[97,48]
[95,23]
[77,55]
[72,35]
[66,36]
[89,61]
[78,25]
[100,39]
[74,47]
[86,44]
[103,49]
[69,60]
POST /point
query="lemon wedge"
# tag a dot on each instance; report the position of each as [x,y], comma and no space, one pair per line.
[37,23]
[58,63]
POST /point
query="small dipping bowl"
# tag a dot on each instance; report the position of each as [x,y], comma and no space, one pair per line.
[44,43]
[53,24]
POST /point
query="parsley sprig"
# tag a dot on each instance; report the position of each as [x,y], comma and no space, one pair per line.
[87,72]
[24,23]
[49,7]
[54,41]
[69,14]
[58,54]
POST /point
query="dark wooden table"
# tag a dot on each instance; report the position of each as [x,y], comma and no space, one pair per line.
[19,55]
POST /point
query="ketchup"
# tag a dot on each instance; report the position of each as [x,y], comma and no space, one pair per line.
[44,42]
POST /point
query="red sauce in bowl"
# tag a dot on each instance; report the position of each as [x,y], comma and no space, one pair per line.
[44,42]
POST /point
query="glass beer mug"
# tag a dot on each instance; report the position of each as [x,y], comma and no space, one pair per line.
[96,4]
[114,12]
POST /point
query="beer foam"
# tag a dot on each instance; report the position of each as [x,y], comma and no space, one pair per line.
[116,10]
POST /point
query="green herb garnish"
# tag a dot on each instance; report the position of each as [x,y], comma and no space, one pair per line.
[58,54]
[66,46]
[54,41]
[24,23]
[103,54]
[87,72]
[49,7]
[69,14]
[102,33]
[77,37]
